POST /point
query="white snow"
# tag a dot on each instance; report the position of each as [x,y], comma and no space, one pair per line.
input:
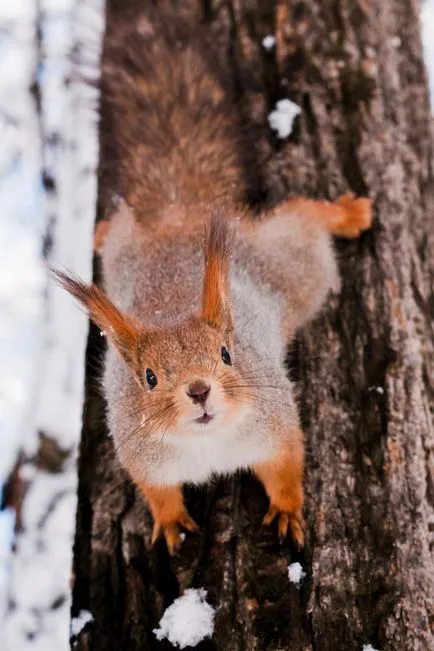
[427,18]
[379,390]
[296,574]
[78,623]
[21,225]
[269,42]
[27,472]
[21,269]
[7,525]
[282,118]
[368,647]
[41,567]
[42,334]
[188,620]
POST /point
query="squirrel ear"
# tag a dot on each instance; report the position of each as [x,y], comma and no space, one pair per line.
[216,297]
[122,331]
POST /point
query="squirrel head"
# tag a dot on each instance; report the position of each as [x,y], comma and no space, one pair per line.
[188,377]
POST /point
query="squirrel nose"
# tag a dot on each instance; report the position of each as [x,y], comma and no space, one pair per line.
[198,391]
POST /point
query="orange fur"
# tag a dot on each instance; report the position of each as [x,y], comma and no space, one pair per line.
[101,231]
[169,513]
[216,298]
[347,217]
[282,478]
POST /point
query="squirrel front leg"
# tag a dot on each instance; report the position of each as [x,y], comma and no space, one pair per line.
[282,478]
[168,510]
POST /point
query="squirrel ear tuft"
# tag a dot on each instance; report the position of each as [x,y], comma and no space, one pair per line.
[216,297]
[121,330]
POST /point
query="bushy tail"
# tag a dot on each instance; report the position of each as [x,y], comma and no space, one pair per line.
[170,115]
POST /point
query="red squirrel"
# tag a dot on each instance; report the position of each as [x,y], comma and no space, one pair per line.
[201,297]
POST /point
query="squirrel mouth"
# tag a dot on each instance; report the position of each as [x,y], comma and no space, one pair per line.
[204,419]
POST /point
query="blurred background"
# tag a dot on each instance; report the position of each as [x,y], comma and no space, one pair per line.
[49,54]
[49,58]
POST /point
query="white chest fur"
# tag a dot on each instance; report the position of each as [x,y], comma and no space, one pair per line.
[196,457]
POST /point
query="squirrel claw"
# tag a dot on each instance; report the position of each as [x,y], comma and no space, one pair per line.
[270,515]
[286,521]
[172,531]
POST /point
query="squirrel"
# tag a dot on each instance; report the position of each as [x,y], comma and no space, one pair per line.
[201,295]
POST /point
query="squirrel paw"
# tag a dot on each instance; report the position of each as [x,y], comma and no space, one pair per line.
[292,521]
[356,217]
[172,531]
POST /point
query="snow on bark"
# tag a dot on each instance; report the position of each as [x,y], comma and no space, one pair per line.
[188,621]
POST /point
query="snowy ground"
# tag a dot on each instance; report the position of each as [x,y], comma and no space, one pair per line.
[42,334]
[51,135]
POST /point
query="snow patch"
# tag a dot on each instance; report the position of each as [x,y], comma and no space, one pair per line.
[27,472]
[42,564]
[296,574]
[78,623]
[379,390]
[282,118]
[7,527]
[42,333]
[427,18]
[188,620]
[269,42]
[22,276]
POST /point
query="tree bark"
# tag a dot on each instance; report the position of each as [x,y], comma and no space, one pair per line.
[365,368]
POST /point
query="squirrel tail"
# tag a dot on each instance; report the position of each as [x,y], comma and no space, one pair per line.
[170,116]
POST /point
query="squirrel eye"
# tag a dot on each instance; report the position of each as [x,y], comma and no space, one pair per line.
[151,378]
[226,356]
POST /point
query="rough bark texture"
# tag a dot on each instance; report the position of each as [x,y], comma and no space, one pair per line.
[365,368]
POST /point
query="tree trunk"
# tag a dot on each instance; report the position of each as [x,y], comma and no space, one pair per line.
[365,368]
